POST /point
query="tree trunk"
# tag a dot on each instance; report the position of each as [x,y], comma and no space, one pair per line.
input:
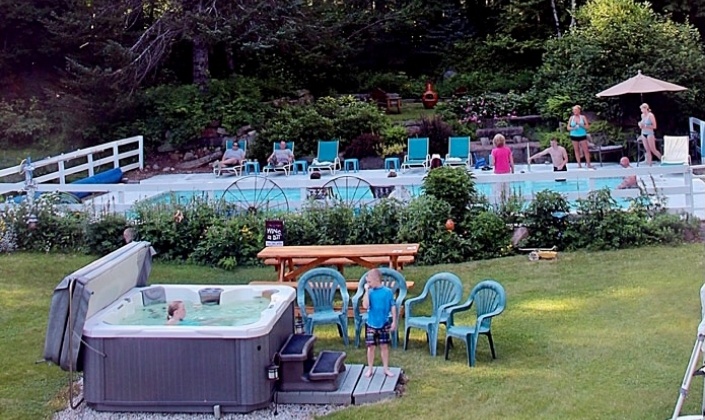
[201,75]
[572,13]
[555,17]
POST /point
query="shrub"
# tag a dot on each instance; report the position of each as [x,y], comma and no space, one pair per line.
[228,243]
[455,186]
[394,139]
[437,132]
[545,229]
[105,234]
[363,146]
[488,236]
[421,221]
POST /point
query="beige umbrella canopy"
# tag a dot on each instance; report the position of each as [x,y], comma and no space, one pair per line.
[641,84]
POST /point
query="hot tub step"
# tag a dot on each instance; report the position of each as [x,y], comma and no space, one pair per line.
[297,348]
[328,366]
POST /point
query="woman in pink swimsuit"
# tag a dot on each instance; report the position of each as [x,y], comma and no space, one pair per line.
[501,157]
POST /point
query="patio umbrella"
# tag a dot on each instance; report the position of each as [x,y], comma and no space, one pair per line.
[641,84]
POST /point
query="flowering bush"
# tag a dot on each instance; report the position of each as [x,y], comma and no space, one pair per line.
[477,110]
[8,240]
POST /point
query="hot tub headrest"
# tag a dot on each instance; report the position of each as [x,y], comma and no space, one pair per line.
[153,295]
[210,295]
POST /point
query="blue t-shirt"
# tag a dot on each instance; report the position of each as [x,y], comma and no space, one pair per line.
[381,301]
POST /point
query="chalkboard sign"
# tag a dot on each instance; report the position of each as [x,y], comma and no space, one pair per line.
[274,233]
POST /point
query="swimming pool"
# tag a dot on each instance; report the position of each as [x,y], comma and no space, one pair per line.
[361,194]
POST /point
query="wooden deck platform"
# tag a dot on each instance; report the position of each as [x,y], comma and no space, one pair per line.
[355,388]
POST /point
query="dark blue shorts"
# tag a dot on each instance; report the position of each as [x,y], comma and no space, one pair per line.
[374,336]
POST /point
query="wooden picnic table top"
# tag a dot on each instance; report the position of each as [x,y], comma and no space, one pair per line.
[332,251]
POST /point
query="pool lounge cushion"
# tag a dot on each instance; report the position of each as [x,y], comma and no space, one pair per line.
[112,176]
[88,290]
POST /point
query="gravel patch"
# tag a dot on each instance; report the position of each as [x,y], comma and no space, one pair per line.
[284,411]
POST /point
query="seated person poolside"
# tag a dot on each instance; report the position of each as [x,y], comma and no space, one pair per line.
[282,156]
[232,157]
[559,156]
[629,181]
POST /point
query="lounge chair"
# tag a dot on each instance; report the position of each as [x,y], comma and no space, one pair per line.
[675,150]
[417,154]
[219,170]
[458,152]
[327,157]
[286,168]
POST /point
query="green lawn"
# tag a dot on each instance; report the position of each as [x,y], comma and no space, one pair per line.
[590,336]
[411,111]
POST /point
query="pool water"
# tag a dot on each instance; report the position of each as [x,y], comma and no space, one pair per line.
[232,314]
[362,193]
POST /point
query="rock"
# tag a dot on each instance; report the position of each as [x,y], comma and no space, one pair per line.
[198,162]
[244,129]
[189,156]
[155,167]
[167,169]
[166,148]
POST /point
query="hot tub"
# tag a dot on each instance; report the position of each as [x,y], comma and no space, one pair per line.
[168,368]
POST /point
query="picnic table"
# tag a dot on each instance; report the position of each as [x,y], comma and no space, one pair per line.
[289,258]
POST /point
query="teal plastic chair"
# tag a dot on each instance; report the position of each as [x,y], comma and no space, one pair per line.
[489,299]
[458,152]
[445,290]
[280,168]
[327,157]
[321,286]
[417,154]
[390,278]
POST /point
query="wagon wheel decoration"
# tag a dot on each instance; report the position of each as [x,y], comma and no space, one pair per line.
[253,195]
[350,191]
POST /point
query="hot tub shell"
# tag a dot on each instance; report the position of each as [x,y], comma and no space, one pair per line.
[165,368]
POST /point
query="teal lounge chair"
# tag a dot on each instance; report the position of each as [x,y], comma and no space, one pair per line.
[286,168]
[327,157]
[234,169]
[458,152]
[417,154]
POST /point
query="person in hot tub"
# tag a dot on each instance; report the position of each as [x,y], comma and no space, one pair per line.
[175,314]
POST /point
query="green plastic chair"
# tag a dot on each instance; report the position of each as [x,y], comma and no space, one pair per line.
[489,300]
[445,290]
[280,168]
[417,154]
[390,278]
[327,157]
[458,152]
[321,286]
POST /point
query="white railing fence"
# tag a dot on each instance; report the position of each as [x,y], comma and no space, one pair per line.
[113,154]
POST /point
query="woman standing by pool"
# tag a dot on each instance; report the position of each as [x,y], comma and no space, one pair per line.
[503,162]
[578,125]
[647,124]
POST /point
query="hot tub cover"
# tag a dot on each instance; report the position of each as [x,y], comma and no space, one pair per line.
[95,286]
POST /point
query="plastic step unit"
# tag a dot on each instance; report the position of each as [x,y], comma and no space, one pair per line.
[296,360]
[328,366]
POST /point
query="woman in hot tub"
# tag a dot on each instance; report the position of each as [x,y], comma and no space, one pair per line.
[175,314]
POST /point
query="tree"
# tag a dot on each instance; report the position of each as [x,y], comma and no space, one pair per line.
[611,41]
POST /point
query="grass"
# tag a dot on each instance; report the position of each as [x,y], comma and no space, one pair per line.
[590,336]
[411,111]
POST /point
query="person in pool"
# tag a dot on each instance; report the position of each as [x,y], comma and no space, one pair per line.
[175,312]
[628,181]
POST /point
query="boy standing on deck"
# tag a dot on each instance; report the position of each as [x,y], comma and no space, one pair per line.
[379,302]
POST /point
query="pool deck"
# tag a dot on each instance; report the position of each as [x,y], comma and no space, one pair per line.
[209,182]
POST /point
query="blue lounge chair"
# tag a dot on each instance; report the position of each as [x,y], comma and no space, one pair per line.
[286,168]
[233,169]
[489,299]
[327,157]
[417,154]
[458,152]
